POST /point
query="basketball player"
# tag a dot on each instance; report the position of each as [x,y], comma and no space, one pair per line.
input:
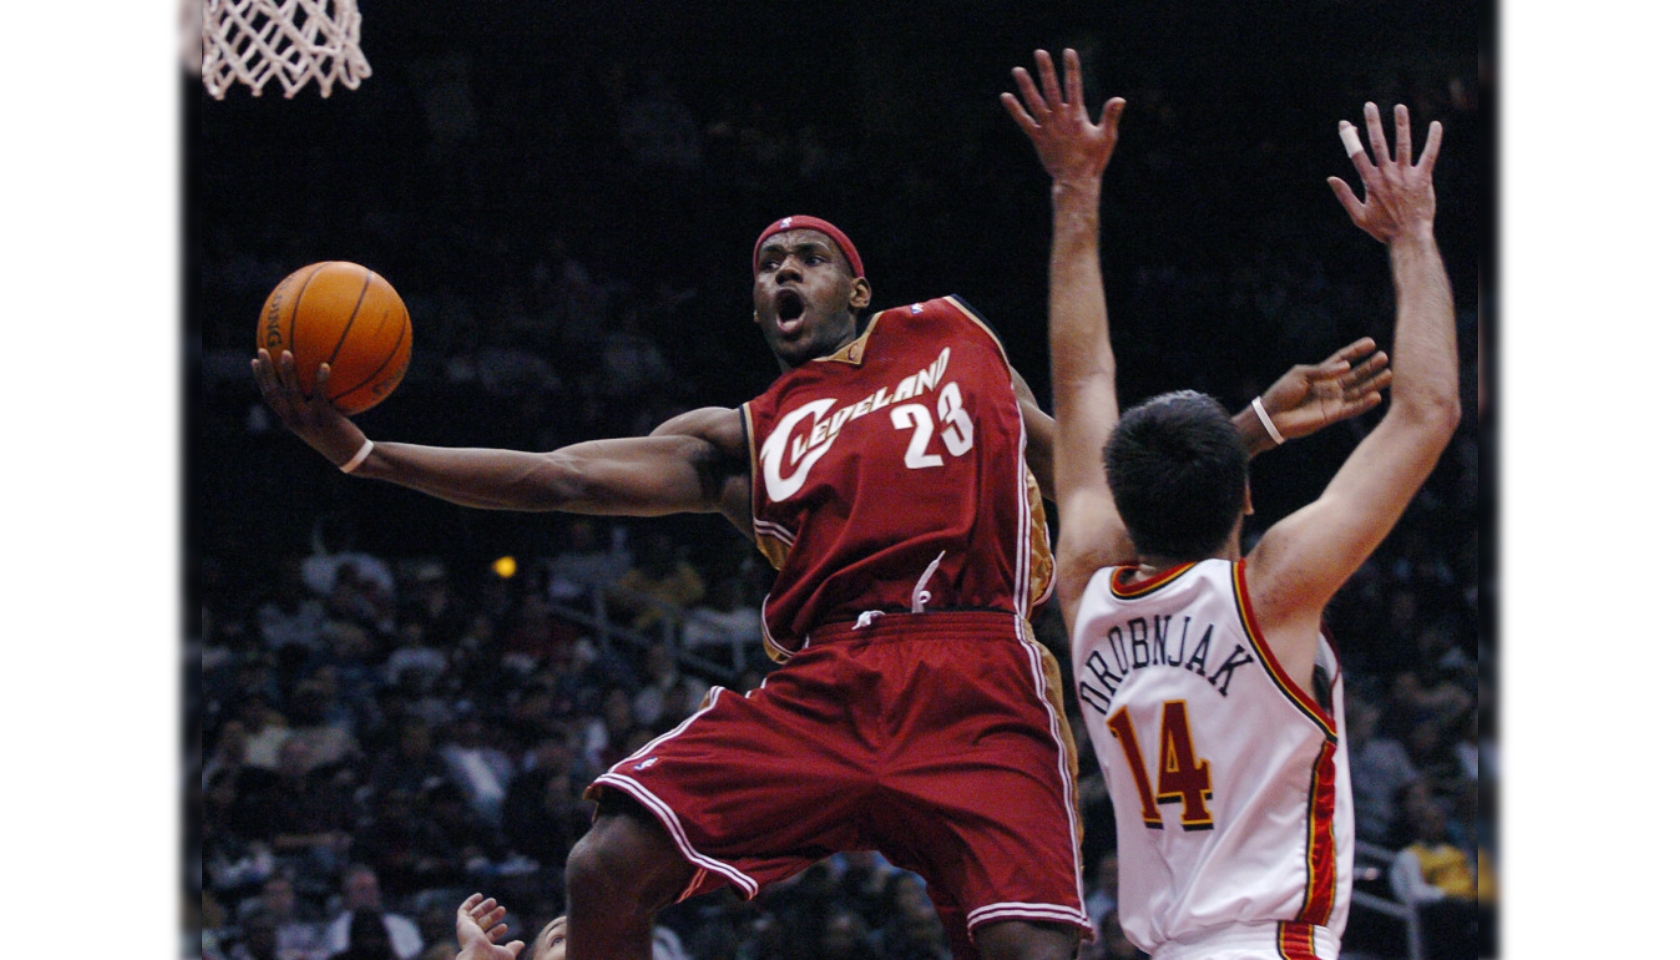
[1212,696]
[885,474]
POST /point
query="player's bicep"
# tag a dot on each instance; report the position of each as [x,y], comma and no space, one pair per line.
[636,476]
[1090,536]
[1304,559]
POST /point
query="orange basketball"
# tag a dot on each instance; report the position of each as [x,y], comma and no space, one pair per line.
[345,315]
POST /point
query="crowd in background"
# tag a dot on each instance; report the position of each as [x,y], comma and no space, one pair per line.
[380,722]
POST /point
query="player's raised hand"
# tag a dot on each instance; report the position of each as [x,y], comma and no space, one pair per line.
[478,925]
[313,418]
[1346,384]
[1069,145]
[1399,194]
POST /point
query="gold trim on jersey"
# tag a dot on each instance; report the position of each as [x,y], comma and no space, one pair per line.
[852,353]
[1143,588]
[972,314]
[1041,555]
[1274,669]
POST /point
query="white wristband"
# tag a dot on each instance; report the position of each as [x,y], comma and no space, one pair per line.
[1259,411]
[351,464]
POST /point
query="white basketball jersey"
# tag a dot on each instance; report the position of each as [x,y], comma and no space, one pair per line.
[1233,807]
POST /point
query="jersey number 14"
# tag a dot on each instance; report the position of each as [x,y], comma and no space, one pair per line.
[1180,777]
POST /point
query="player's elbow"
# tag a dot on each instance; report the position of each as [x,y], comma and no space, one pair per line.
[1435,409]
[561,483]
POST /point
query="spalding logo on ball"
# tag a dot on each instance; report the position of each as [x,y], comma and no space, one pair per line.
[344,315]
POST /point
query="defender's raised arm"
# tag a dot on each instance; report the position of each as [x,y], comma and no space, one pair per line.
[1301,561]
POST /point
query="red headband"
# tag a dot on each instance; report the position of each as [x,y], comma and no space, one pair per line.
[811,223]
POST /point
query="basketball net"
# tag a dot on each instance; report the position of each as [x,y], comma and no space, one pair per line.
[292,41]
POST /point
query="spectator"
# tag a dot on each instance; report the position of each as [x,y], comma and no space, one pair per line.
[296,937]
[1103,894]
[727,618]
[258,940]
[414,765]
[331,742]
[1382,771]
[668,695]
[369,938]
[291,615]
[913,931]
[593,560]
[545,811]
[233,863]
[407,849]
[1436,878]
[336,554]
[659,586]
[477,765]
[302,813]
[361,895]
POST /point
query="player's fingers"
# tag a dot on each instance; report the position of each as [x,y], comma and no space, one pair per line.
[1355,150]
[1075,83]
[484,907]
[1018,113]
[1372,366]
[1431,147]
[492,918]
[497,932]
[1364,403]
[1374,129]
[471,902]
[1350,203]
[287,372]
[1402,135]
[1376,384]
[268,385]
[1111,115]
[318,398]
[1047,77]
[1354,350]
[1029,93]
[1329,370]
[516,946]
[1365,378]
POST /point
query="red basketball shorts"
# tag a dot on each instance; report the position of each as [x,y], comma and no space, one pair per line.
[936,738]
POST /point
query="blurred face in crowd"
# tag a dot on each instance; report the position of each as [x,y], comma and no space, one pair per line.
[361,891]
[278,897]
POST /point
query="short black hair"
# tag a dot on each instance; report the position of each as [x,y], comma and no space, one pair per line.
[1177,469]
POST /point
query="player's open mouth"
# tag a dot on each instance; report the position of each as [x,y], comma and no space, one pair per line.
[790,308]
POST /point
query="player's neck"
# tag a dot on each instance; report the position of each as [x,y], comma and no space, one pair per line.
[1155,564]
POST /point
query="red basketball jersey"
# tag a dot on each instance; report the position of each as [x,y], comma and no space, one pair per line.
[892,476]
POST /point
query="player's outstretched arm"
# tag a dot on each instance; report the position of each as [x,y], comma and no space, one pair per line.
[1075,152]
[1311,397]
[679,470]
[1301,562]
[478,925]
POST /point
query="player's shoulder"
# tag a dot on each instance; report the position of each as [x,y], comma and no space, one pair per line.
[722,427]
[950,305]
[951,310]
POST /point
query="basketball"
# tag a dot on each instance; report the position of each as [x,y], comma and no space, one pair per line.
[345,315]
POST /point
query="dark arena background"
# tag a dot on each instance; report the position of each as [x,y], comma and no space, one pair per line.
[401,693]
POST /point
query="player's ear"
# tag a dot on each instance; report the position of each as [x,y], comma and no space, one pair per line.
[860,293]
